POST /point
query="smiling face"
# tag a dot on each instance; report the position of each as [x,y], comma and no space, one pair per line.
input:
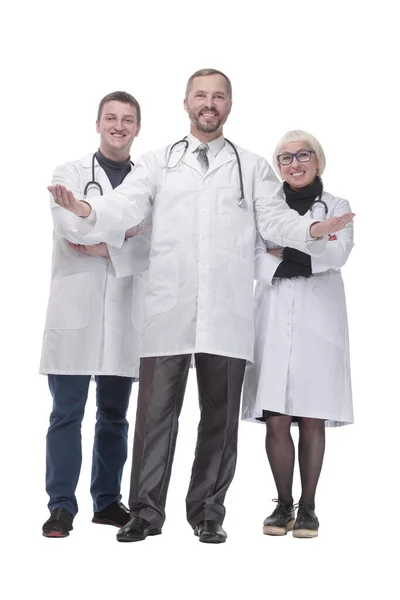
[118,126]
[298,174]
[208,104]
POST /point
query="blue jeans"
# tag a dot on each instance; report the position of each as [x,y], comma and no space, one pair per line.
[63,441]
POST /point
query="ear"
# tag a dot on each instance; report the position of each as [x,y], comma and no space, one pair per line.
[185,105]
[138,129]
[98,126]
[316,164]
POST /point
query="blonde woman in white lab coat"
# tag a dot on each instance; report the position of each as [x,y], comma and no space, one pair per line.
[301,344]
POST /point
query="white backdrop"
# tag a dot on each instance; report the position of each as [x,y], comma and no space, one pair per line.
[328,67]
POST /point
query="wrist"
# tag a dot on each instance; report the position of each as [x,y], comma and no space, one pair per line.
[314,231]
[84,209]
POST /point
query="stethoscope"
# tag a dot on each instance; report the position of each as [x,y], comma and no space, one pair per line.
[323,204]
[241,201]
[93,183]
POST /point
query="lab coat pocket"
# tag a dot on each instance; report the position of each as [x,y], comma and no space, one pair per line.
[162,289]
[69,305]
[236,233]
[241,287]
[138,288]
[326,314]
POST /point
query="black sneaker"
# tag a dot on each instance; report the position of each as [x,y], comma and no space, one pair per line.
[59,524]
[280,521]
[115,514]
[306,524]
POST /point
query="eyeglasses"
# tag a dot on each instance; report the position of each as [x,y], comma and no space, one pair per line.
[302,156]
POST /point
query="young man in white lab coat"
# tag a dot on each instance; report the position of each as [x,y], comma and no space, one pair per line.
[93,328]
[199,297]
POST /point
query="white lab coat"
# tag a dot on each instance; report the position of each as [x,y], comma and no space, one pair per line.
[94,321]
[301,359]
[199,296]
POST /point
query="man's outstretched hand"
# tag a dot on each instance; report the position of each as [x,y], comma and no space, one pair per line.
[330,225]
[67,200]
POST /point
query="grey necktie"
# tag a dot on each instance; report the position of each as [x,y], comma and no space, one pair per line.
[202,157]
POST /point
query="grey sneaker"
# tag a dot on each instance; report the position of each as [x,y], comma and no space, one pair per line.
[306,524]
[280,521]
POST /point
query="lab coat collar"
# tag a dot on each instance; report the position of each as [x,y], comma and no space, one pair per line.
[99,173]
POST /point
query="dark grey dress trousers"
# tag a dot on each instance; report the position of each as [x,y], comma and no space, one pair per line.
[162,384]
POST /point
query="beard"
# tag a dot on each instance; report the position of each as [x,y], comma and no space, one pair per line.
[206,127]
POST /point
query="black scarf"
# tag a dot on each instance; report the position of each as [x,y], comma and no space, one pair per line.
[302,199]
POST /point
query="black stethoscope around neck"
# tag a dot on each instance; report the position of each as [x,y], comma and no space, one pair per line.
[241,201]
[93,183]
[318,200]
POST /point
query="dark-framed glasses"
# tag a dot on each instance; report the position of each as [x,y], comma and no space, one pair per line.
[301,156]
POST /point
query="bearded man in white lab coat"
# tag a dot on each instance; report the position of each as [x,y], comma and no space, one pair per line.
[93,328]
[199,297]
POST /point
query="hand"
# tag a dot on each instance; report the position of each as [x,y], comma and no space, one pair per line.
[67,200]
[278,252]
[133,231]
[331,225]
[95,250]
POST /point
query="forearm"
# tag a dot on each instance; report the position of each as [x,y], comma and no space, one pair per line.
[339,246]
[288,270]
[133,257]
[296,256]
[108,217]
[68,226]
[334,256]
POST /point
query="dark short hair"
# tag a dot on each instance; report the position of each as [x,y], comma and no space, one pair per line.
[120,97]
[202,73]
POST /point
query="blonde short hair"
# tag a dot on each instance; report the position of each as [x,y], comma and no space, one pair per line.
[297,135]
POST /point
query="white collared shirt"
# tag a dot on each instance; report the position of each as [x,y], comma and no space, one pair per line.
[215,146]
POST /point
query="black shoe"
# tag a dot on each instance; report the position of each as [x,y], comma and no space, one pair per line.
[59,524]
[306,524]
[137,530]
[114,514]
[280,521]
[210,532]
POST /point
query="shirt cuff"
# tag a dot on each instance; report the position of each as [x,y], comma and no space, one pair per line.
[91,219]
